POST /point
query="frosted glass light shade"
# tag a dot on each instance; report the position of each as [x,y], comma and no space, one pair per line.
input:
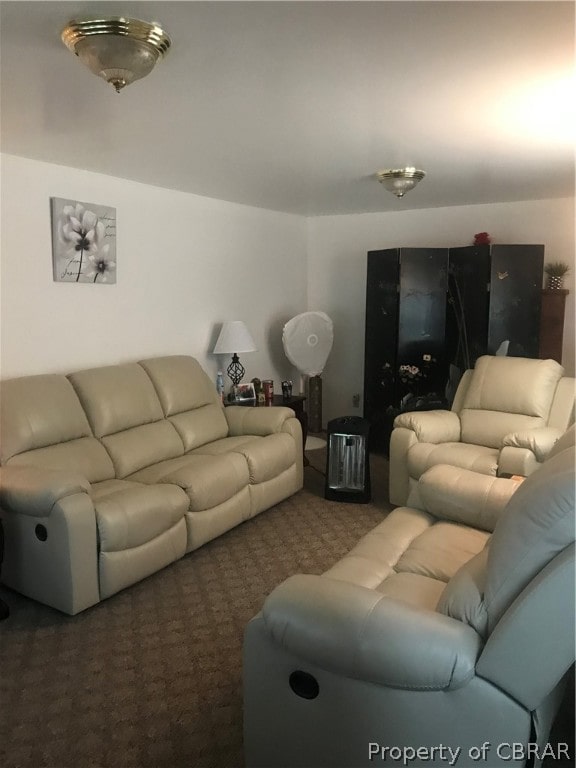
[117,59]
[234,337]
[400,180]
[117,49]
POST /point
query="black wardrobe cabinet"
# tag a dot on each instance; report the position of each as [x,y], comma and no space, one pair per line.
[431,312]
[405,367]
[494,301]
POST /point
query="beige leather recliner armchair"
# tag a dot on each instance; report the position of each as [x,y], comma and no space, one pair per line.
[432,640]
[507,414]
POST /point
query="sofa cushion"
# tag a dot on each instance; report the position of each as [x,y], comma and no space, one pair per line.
[441,550]
[267,457]
[513,385]
[43,425]
[142,446]
[125,413]
[373,559]
[507,394]
[409,556]
[200,426]
[131,514]
[86,456]
[478,458]
[117,397]
[188,398]
[413,589]
[207,480]
[489,428]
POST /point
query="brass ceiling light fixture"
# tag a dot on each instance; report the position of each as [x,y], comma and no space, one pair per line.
[400,180]
[118,49]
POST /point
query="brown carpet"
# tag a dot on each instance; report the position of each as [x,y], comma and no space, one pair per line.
[152,677]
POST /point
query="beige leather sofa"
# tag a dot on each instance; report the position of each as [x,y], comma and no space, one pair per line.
[506,415]
[112,473]
[446,631]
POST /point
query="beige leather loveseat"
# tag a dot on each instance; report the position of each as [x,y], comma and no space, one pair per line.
[112,473]
[446,631]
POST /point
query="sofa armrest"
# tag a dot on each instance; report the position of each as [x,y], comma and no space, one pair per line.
[358,632]
[243,420]
[33,491]
[539,441]
[465,496]
[431,426]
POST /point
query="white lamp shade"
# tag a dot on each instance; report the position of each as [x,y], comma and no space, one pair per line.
[234,337]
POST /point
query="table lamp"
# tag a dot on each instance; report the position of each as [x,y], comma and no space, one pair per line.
[234,337]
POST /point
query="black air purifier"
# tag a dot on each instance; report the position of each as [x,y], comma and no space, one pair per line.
[347,460]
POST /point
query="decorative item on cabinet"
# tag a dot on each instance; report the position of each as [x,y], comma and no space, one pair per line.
[556,271]
[552,323]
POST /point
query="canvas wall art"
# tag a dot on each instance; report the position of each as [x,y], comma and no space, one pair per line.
[83,242]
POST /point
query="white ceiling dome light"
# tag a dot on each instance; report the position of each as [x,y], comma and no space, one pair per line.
[117,49]
[400,180]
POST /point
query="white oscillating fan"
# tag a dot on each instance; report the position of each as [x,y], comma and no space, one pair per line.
[307,340]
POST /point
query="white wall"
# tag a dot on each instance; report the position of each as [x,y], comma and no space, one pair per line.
[337,247]
[185,264]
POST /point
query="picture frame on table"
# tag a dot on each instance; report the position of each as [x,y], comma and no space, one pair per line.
[245,393]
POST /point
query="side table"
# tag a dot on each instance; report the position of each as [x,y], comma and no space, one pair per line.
[296,402]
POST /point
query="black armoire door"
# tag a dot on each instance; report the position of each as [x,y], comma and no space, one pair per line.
[405,367]
[515,299]
[493,302]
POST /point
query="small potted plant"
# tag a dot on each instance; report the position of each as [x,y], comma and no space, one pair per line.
[556,271]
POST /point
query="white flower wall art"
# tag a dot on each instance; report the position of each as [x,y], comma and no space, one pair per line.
[83,242]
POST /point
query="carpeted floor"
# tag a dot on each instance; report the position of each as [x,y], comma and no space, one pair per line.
[152,677]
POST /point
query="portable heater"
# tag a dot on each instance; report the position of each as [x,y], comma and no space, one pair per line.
[347,460]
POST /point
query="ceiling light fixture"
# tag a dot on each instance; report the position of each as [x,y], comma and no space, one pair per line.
[400,180]
[118,49]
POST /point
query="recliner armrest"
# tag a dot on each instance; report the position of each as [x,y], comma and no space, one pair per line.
[431,426]
[243,420]
[539,441]
[33,491]
[360,633]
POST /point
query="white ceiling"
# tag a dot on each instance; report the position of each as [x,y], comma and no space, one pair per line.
[294,106]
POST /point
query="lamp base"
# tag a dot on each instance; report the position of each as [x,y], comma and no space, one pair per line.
[235,370]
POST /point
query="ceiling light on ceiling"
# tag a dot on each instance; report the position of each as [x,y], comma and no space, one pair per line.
[400,180]
[117,49]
